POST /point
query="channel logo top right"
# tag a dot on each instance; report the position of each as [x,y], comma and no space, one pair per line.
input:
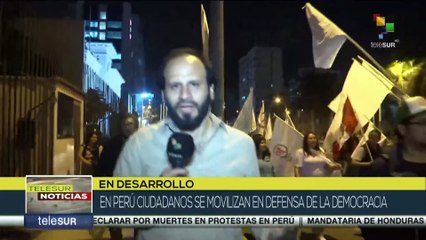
[385,27]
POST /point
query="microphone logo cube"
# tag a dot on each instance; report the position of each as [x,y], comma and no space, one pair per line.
[176,145]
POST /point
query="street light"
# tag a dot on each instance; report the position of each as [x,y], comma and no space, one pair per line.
[277,100]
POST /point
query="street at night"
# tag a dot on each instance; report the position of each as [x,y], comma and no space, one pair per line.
[292,113]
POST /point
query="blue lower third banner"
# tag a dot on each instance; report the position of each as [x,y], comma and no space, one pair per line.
[58,221]
[268,202]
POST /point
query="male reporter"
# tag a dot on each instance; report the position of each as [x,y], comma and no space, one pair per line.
[220,150]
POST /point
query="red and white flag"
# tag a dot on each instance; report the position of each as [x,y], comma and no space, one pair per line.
[345,123]
[366,89]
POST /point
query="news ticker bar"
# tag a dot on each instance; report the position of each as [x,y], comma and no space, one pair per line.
[252,183]
[206,203]
[44,221]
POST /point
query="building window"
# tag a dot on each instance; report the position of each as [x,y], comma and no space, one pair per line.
[102,15]
[94,24]
[130,36]
[130,30]
[130,22]
[101,35]
[113,34]
[65,116]
[102,25]
[94,34]
[114,24]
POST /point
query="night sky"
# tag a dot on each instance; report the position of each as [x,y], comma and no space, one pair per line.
[168,25]
[172,24]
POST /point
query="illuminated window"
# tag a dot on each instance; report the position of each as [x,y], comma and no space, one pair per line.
[93,34]
[113,34]
[130,36]
[114,24]
[130,22]
[130,29]
[102,25]
[93,24]
[102,15]
[102,36]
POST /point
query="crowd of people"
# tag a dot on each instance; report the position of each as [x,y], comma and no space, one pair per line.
[188,87]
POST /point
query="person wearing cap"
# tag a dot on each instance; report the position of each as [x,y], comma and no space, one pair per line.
[407,158]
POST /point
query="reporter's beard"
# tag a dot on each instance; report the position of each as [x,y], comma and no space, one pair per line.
[187,123]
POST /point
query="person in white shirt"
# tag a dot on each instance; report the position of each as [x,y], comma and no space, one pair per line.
[220,150]
[310,161]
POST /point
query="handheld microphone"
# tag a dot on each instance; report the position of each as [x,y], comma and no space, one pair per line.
[180,149]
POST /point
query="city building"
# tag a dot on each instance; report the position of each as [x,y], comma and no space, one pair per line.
[261,69]
[101,76]
[114,22]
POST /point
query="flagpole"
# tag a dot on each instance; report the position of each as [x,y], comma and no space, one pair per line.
[287,115]
[360,48]
[378,65]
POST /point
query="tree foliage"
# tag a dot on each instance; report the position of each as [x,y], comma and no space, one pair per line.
[411,76]
[95,106]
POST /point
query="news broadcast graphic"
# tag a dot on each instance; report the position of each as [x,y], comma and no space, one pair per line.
[141,202]
[58,202]
[66,202]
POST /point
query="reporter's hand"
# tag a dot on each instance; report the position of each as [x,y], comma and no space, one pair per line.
[174,172]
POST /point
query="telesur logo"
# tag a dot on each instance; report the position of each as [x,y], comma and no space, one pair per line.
[384,29]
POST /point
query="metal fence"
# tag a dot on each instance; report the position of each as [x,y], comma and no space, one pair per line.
[27,70]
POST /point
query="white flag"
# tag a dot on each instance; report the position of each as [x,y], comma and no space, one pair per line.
[327,38]
[246,120]
[261,120]
[359,152]
[205,34]
[253,121]
[268,132]
[365,90]
[284,142]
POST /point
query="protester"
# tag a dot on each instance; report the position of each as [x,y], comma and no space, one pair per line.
[109,157]
[263,156]
[343,155]
[364,156]
[112,147]
[220,150]
[310,161]
[90,153]
[407,158]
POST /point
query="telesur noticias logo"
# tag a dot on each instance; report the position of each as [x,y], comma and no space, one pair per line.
[385,28]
